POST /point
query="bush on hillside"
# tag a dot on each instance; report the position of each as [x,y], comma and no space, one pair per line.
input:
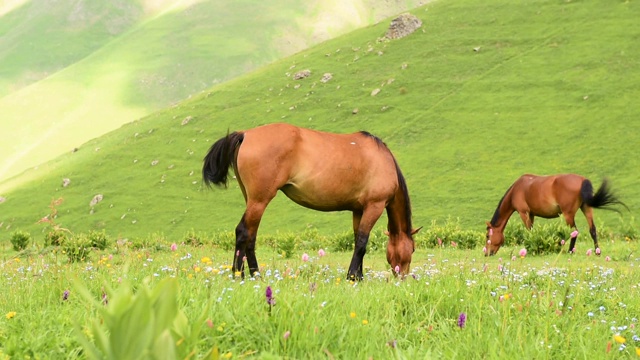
[20,240]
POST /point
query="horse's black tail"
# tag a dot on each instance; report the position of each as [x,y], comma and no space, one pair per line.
[220,158]
[602,199]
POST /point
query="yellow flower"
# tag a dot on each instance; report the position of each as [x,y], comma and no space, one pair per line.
[619,339]
[638,351]
[227,355]
[11,314]
[17,260]
[506,296]
[215,271]
[365,322]
[205,260]
[238,273]
[196,269]
[352,315]
[190,276]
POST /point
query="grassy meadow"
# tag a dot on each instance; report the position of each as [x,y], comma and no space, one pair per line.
[543,307]
[484,92]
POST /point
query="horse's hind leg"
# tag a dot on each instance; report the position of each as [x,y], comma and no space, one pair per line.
[246,233]
[588,213]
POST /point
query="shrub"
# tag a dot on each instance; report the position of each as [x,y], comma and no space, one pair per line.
[225,240]
[287,245]
[77,248]
[193,239]
[20,240]
[342,241]
[98,239]
[449,232]
[55,237]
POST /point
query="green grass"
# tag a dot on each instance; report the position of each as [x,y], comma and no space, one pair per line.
[549,92]
[555,306]
[75,71]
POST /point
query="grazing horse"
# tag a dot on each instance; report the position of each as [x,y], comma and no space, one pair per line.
[321,171]
[548,197]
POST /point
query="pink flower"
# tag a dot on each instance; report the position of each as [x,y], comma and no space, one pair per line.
[484,250]
[589,252]
[305,257]
[454,244]
[607,259]
[321,253]
[597,251]
[397,269]
[209,323]
[286,334]
[562,242]
[490,232]
[439,242]
[174,247]
[574,234]
[513,258]
[523,252]
[499,267]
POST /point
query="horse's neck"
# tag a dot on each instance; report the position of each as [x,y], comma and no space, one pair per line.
[505,211]
[399,221]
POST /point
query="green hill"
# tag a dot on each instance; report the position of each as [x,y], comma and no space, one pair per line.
[483,92]
[71,71]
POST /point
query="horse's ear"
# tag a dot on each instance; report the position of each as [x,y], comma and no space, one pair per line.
[414,231]
[488,224]
[386,232]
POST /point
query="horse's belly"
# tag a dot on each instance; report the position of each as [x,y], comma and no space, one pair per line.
[321,201]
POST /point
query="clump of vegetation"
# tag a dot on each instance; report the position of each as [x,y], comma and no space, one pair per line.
[19,240]
[449,234]
[77,248]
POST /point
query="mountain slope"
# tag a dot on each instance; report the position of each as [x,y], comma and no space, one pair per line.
[72,71]
[548,89]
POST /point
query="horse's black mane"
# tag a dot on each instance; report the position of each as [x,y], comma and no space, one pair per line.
[496,214]
[377,139]
[401,182]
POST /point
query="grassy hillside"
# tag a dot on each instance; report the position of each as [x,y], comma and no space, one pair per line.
[71,71]
[550,88]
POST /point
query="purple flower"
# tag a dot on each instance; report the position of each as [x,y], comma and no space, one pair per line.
[65,295]
[270,300]
[462,319]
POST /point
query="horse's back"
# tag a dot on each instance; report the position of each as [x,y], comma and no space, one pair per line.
[547,196]
[316,169]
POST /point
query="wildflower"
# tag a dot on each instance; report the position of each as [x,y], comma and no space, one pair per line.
[619,339]
[365,322]
[522,253]
[210,323]
[484,250]
[305,257]
[454,244]
[638,351]
[608,346]
[174,247]
[321,253]
[65,295]
[597,251]
[269,294]
[462,319]
[490,231]
[352,314]
[513,258]
[562,242]
[238,273]
[397,269]
[439,242]
[392,343]
[607,258]
[286,334]
[589,252]
[574,234]
[11,314]
[228,355]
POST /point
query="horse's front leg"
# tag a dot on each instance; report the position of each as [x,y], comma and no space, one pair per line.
[365,222]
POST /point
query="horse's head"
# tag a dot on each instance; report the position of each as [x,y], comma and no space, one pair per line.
[495,238]
[400,249]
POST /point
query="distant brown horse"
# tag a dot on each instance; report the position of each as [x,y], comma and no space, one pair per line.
[548,197]
[321,171]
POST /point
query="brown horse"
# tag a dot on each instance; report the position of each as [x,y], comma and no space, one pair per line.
[321,171]
[548,197]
